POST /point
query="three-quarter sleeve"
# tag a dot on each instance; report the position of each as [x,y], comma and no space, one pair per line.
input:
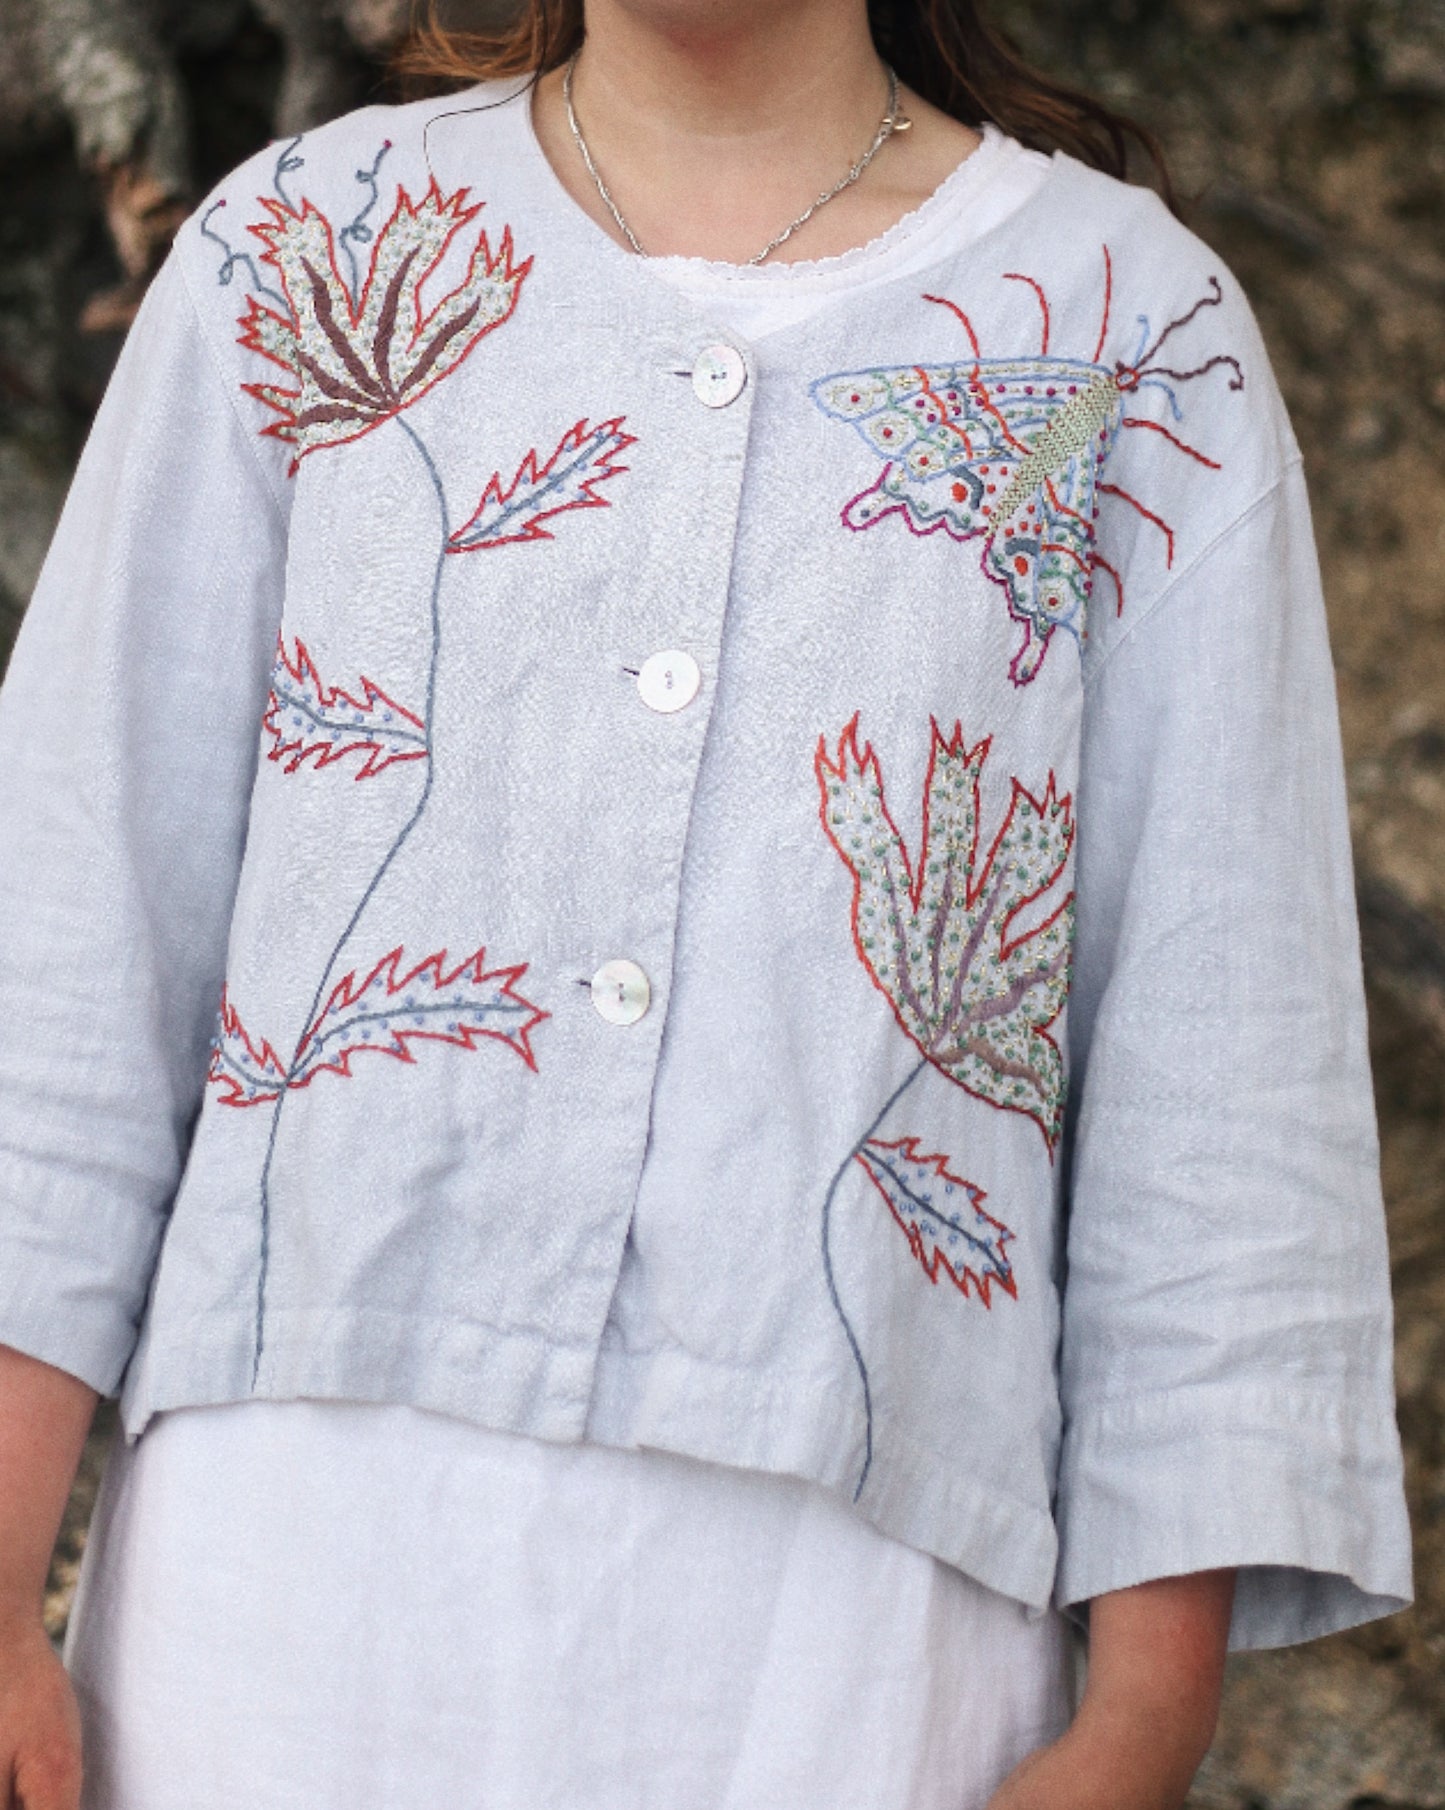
[129,723]
[1227,1358]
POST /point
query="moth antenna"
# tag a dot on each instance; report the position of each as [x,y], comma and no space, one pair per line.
[1148,514]
[953,308]
[1097,559]
[1014,276]
[1212,300]
[1158,383]
[1221,358]
[1108,303]
[1173,439]
[1143,320]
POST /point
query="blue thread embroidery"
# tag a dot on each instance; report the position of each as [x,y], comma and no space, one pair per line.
[585,457]
[357,232]
[287,162]
[1009,451]
[360,354]
[308,720]
[937,939]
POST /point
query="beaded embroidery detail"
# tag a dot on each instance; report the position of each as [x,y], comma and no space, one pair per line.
[358,361]
[361,350]
[975,995]
[1009,451]
[937,939]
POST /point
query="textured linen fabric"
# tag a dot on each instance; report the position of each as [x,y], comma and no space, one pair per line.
[1011,535]
[477,1618]
[512,1624]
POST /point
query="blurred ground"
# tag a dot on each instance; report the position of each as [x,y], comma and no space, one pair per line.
[1311,136]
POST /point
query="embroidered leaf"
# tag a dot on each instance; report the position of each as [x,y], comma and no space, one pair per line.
[396,1006]
[943,1216]
[585,457]
[309,720]
[244,1074]
[937,940]
[358,364]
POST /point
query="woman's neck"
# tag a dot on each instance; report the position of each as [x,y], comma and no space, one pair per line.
[715,128]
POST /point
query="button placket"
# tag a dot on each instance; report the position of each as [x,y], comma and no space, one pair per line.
[670,679]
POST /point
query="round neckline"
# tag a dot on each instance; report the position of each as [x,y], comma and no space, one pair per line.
[970,172]
[962,182]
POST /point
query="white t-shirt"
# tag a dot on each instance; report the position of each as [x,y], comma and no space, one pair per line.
[327,1605]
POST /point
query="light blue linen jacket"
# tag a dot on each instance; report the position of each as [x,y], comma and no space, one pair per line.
[996,1144]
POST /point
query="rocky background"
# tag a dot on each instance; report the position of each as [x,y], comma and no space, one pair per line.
[1308,139]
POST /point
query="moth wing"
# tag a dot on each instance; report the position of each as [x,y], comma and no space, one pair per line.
[1042,556]
[924,422]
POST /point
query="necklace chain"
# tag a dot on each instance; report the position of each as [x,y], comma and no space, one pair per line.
[891,122]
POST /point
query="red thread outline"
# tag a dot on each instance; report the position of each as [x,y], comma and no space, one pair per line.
[277,399]
[265,1057]
[1014,276]
[346,992]
[907,1148]
[532,473]
[868,759]
[300,751]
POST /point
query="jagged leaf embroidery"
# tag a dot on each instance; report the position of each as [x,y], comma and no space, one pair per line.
[942,1215]
[245,1074]
[938,941]
[396,1006]
[358,362]
[584,458]
[384,1013]
[307,719]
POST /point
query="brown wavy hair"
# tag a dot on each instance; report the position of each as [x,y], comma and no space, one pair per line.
[944,50]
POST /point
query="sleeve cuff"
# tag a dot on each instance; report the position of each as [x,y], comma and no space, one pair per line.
[1303,1495]
[91,1341]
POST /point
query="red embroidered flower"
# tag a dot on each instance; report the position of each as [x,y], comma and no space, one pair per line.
[961,943]
[360,360]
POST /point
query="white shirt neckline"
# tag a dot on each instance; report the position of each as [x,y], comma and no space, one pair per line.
[996,178]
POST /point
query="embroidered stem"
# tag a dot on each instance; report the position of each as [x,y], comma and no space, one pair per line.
[851,1336]
[398,843]
[233,258]
[357,232]
[287,163]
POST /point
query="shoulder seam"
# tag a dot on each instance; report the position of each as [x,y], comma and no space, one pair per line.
[223,377]
[1186,571]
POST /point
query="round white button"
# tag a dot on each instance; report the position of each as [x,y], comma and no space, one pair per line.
[669,680]
[620,992]
[719,376]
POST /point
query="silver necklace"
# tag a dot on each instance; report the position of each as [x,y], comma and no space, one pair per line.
[891,122]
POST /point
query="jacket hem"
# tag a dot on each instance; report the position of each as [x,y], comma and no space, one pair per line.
[677,1402]
[516,1382]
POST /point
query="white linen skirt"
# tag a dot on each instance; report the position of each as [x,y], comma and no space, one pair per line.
[331,1605]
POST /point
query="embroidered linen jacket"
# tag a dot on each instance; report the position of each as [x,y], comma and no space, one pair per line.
[928,1058]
